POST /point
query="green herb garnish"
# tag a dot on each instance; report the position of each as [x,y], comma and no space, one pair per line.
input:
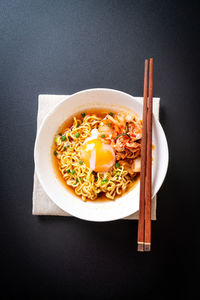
[83,115]
[103,136]
[77,135]
[68,171]
[104,180]
[111,114]
[55,153]
[80,162]
[73,172]
[60,134]
[121,134]
[117,165]
[63,138]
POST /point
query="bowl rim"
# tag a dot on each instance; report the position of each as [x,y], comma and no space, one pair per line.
[47,116]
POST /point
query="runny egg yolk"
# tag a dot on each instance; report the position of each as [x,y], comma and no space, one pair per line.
[98,156]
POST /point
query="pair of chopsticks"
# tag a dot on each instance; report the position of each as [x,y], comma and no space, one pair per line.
[144,223]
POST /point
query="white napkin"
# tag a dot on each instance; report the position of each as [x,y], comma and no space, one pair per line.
[42,204]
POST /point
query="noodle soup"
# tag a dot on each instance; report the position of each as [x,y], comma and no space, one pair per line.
[97,153]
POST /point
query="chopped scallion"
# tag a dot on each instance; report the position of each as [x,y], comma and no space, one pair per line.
[77,134]
[121,134]
[104,180]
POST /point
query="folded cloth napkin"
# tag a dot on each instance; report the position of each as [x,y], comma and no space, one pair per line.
[42,204]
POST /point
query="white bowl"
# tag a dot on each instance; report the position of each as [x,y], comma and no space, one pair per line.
[94,211]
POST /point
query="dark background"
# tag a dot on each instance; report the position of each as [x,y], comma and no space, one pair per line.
[61,47]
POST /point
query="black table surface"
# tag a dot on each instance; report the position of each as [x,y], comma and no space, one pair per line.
[61,47]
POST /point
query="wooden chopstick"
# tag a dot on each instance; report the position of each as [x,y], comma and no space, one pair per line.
[143,162]
[144,223]
[147,234]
